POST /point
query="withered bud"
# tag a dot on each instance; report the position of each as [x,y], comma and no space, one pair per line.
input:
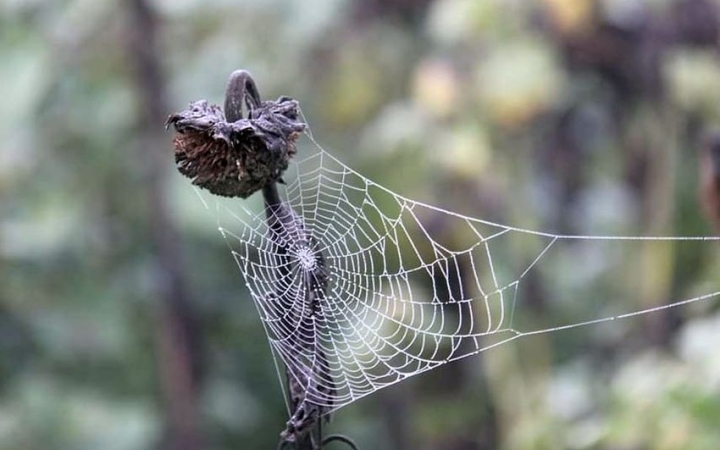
[235,159]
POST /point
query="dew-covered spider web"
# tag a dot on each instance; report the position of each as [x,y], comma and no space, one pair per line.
[411,286]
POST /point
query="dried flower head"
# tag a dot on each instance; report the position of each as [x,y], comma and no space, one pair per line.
[235,159]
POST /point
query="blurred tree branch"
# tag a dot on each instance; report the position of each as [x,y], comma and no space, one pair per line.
[178,348]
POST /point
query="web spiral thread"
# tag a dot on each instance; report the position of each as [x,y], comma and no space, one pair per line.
[402,296]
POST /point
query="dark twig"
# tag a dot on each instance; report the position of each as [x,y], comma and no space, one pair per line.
[340,438]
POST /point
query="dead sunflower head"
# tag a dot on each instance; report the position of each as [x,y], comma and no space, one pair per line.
[236,158]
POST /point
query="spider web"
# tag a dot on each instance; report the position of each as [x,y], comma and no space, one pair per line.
[412,286]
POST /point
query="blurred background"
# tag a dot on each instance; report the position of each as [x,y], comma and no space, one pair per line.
[124,323]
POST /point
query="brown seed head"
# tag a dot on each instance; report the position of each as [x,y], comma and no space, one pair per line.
[239,158]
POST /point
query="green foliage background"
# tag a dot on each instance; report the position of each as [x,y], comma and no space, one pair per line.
[497,109]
